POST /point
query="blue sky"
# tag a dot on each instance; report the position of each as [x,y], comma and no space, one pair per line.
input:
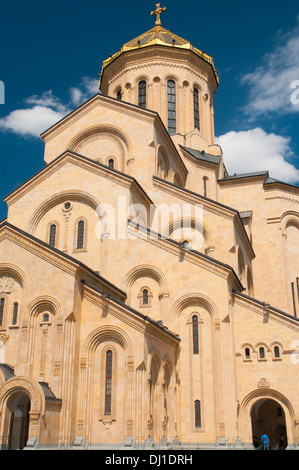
[51,54]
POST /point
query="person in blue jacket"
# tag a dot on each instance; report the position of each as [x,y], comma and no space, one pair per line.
[265,441]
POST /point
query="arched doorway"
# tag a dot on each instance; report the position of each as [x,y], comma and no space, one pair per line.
[19,407]
[267,416]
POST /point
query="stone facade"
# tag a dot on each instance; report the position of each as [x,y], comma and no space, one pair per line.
[147,298]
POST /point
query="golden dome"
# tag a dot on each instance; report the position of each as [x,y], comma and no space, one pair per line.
[162,37]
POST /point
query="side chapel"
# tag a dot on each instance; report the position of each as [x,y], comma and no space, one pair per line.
[139,341]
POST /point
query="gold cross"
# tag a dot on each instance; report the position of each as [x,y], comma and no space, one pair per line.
[158,12]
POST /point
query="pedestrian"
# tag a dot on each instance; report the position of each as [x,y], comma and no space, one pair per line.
[281,442]
[265,441]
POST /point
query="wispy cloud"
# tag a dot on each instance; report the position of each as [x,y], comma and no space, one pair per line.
[255,150]
[270,83]
[42,111]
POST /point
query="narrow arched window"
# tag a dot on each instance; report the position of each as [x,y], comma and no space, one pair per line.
[196,108]
[205,186]
[276,352]
[197,414]
[142,94]
[262,353]
[52,235]
[108,383]
[171,107]
[247,353]
[2,303]
[118,95]
[195,334]
[111,163]
[145,297]
[80,235]
[46,317]
[15,313]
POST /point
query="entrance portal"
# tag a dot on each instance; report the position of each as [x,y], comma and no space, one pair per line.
[19,406]
[267,417]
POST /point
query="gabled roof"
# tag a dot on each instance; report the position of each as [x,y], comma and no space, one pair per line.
[99,284]
[202,155]
[106,285]
[238,176]
[214,203]
[70,154]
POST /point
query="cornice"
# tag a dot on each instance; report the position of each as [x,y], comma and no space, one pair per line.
[56,257]
[263,308]
[132,317]
[92,103]
[209,204]
[206,262]
[85,163]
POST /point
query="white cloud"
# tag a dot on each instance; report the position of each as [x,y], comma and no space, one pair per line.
[30,122]
[255,150]
[48,100]
[270,83]
[44,110]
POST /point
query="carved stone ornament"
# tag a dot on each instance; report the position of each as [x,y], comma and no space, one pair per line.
[3,338]
[6,285]
[263,383]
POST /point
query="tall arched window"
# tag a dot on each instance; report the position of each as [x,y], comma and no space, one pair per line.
[195,334]
[197,414]
[142,94]
[196,108]
[276,352]
[52,235]
[111,163]
[2,303]
[145,297]
[15,313]
[80,235]
[108,383]
[118,95]
[171,107]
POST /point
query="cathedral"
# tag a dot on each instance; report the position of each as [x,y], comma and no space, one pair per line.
[148,298]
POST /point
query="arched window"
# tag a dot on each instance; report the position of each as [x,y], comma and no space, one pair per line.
[247,353]
[52,235]
[80,235]
[118,95]
[145,297]
[111,163]
[108,383]
[15,313]
[205,186]
[197,414]
[171,107]
[276,352]
[142,94]
[46,317]
[262,353]
[196,108]
[195,334]
[2,303]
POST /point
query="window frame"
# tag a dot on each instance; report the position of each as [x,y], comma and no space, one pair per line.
[142,94]
[171,106]
[108,382]
[196,108]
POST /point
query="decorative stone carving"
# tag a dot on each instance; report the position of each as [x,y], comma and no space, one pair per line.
[263,383]
[6,285]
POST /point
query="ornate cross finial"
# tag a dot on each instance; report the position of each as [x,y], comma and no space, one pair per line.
[158,12]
